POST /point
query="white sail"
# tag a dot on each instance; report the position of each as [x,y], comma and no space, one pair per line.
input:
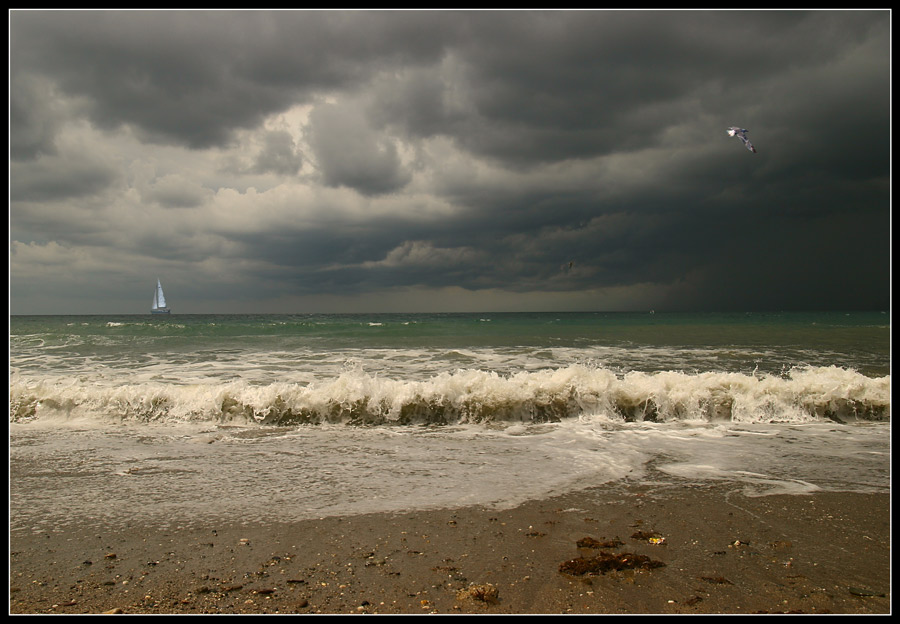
[159,300]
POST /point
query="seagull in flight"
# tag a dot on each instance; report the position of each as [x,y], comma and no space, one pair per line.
[742,135]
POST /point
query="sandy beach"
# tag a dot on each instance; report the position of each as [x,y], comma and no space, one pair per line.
[653,548]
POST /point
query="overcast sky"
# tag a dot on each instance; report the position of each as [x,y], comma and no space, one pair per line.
[307,161]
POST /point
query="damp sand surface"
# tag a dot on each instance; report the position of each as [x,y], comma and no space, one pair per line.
[710,548]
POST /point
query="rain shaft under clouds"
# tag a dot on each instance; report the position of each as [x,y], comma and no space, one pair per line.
[429,160]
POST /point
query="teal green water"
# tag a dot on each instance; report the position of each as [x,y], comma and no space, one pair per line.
[632,341]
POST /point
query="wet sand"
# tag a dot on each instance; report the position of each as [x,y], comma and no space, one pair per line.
[721,552]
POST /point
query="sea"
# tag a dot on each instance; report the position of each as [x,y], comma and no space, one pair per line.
[187,419]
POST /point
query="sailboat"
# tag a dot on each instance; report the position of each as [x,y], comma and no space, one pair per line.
[159,300]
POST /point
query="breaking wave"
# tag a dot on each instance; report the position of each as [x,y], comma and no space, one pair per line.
[470,396]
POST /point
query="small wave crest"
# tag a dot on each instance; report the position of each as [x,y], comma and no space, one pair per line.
[471,396]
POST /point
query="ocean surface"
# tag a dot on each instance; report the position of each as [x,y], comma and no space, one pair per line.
[184,420]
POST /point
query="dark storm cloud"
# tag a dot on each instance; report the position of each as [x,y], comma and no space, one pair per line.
[472,149]
[536,87]
[351,154]
[193,77]
[549,86]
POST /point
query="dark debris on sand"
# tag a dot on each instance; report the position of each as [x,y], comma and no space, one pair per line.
[590,542]
[604,562]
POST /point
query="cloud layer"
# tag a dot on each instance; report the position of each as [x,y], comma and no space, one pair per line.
[294,161]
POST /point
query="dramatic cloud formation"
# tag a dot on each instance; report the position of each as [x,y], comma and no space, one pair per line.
[302,161]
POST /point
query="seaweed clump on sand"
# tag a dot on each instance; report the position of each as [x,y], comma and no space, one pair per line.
[590,542]
[604,562]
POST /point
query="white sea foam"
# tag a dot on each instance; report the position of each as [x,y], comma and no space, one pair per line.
[355,396]
[194,473]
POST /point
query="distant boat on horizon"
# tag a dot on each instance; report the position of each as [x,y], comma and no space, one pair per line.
[159,300]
